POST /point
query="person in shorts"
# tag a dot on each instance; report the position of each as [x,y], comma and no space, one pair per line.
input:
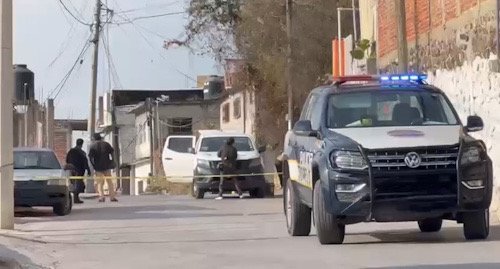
[101,158]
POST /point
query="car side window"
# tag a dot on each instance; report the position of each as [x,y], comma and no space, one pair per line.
[312,112]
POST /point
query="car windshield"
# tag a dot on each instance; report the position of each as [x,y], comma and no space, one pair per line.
[35,160]
[211,144]
[389,108]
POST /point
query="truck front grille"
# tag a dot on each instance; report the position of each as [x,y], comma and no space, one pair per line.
[431,159]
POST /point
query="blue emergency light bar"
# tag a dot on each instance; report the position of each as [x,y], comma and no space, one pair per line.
[405,77]
[392,79]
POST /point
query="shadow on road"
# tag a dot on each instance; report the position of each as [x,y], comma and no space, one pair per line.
[119,213]
[446,266]
[414,236]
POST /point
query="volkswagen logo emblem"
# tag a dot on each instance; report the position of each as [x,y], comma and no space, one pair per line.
[412,160]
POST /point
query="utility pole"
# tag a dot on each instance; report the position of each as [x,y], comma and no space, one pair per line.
[149,107]
[6,118]
[402,42]
[93,93]
[289,61]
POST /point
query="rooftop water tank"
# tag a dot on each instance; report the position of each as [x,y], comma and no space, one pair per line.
[24,84]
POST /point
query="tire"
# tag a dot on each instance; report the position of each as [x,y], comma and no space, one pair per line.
[430,225]
[197,192]
[298,215]
[64,208]
[328,229]
[476,224]
[258,193]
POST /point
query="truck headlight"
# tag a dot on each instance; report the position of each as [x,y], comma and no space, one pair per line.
[203,163]
[348,160]
[57,182]
[470,155]
[255,162]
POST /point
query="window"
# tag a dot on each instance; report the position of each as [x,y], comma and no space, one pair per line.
[180,126]
[237,108]
[35,160]
[225,112]
[213,144]
[389,108]
[180,144]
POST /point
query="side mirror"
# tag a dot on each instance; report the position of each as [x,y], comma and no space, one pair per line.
[474,124]
[304,128]
[262,149]
[191,150]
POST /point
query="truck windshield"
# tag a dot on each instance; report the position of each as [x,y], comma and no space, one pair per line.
[35,160]
[389,108]
[211,144]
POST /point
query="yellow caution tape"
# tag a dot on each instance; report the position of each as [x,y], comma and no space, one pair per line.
[156,177]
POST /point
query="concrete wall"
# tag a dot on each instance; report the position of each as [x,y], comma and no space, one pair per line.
[475,90]
[246,120]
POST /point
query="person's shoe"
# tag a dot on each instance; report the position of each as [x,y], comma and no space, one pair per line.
[114,200]
[242,197]
[219,198]
[102,200]
[77,201]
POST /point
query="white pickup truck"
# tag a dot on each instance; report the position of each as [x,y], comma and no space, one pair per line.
[190,160]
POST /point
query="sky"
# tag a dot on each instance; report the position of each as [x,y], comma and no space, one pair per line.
[49,40]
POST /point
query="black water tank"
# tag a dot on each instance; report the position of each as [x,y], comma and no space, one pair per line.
[24,76]
[214,87]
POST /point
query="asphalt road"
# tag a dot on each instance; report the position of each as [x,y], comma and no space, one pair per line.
[180,232]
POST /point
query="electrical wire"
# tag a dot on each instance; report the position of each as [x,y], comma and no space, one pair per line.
[57,90]
[126,18]
[131,20]
[111,63]
[73,15]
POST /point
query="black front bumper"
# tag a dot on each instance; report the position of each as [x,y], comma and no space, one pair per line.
[207,179]
[38,193]
[410,195]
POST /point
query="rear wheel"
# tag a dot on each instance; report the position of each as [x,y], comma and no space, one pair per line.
[430,225]
[476,224]
[327,227]
[64,208]
[196,192]
[298,215]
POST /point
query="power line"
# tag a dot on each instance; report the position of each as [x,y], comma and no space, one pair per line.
[73,15]
[60,85]
[125,17]
[111,63]
[131,20]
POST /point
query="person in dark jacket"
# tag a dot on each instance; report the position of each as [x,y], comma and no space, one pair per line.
[101,158]
[228,154]
[77,160]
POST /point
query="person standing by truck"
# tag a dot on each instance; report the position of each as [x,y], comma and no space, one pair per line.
[228,154]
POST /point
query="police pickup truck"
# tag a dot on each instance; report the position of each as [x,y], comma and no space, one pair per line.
[386,149]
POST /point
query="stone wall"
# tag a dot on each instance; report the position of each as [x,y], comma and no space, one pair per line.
[475,90]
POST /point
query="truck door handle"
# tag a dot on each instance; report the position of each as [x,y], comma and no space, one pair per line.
[168,159]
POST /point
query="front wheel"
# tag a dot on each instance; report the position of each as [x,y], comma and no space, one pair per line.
[430,225]
[328,229]
[476,224]
[298,215]
[196,192]
[64,208]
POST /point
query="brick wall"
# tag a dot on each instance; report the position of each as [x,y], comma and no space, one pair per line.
[61,144]
[431,15]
